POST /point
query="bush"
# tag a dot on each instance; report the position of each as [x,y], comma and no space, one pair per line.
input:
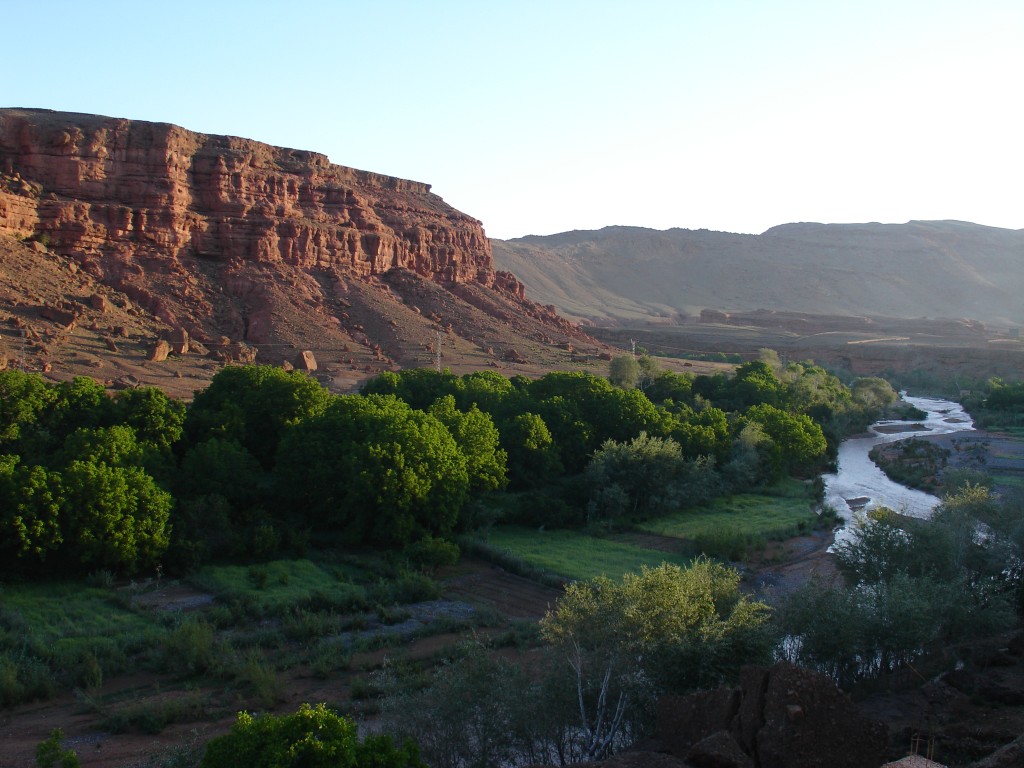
[189,648]
[24,678]
[313,737]
[262,680]
[430,553]
[50,753]
[407,587]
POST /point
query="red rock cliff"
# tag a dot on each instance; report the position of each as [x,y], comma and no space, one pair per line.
[120,188]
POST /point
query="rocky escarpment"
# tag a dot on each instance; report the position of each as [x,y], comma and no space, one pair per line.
[105,185]
[224,240]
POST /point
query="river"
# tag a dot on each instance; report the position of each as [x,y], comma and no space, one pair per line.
[859,478]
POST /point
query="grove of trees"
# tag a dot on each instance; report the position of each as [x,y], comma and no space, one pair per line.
[263,460]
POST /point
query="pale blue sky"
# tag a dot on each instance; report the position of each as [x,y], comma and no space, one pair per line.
[542,117]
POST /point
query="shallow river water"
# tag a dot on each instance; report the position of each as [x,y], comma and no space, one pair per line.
[858,478]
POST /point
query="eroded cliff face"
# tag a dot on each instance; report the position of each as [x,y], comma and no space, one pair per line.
[114,187]
[235,244]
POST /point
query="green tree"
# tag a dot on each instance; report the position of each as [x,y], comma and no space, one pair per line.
[50,753]
[624,371]
[116,446]
[31,522]
[24,397]
[478,439]
[489,391]
[532,454]
[915,586]
[667,385]
[418,387]
[376,468]
[645,476]
[312,737]
[223,467]
[873,394]
[113,517]
[797,442]
[253,405]
[701,433]
[157,419]
[754,383]
[664,628]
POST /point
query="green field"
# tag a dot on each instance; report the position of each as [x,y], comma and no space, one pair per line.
[1009,480]
[275,585]
[727,528]
[576,555]
[763,516]
[60,613]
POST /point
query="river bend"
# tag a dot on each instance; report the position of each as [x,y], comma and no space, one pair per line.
[859,478]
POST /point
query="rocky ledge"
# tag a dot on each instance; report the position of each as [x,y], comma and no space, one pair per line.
[117,188]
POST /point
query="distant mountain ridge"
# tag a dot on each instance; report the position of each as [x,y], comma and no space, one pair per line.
[935,269]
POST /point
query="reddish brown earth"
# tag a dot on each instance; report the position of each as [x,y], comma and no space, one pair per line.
[117,233]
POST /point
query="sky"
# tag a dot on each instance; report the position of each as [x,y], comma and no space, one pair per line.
[539,117]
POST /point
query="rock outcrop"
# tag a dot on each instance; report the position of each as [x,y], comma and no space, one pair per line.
[236,250]
[782,717]
[103,185]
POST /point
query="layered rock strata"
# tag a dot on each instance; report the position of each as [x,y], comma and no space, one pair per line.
[233,250]
[93,184]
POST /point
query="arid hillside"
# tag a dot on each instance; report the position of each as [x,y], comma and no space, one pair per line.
[922,269]
[115,234]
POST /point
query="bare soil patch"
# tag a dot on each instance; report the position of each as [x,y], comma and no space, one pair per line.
[785,566]
[512,596]
[993,452]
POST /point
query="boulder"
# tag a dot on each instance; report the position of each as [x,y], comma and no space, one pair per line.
[807,718]
[60,316]
[178,339]
[682,721]
[719,750]
[781,717]
[513,356]
[305,361]
[159,351]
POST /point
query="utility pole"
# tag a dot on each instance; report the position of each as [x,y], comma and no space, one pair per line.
[438,350]
[632,343]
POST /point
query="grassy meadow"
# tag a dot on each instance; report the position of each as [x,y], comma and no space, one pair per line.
[727,528]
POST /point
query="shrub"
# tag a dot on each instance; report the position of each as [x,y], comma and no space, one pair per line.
[430,553]
[314,737]
[189,648]
[261,679]
[407,587]
[50,753]
[24,678]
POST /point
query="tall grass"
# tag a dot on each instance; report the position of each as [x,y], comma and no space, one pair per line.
[66,634]
[574,555]
[270,588]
